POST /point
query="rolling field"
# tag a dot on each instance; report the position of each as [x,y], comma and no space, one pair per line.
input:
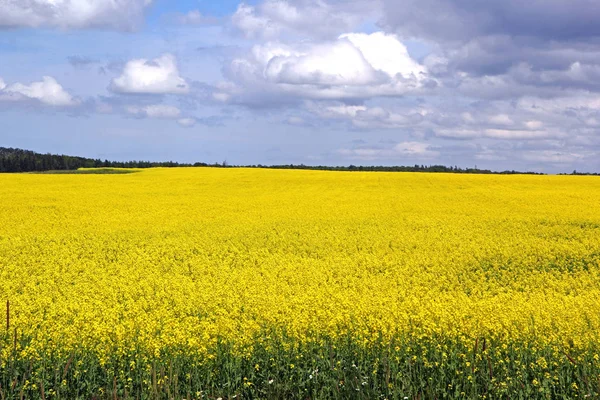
[268,284]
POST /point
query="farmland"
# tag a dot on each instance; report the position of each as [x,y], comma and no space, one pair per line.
[207,283]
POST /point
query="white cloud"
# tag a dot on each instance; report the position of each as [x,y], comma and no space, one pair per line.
[519,134]
[158,76]
[313,18]
[67,14]
[187,122]
[489,155]
[364,117]
[161,111]
[48,91]
[353,59]
[503,134]
[154,111]
[501,119]
[558,104]
[194,17]
[457,133]
[221,97]
[252,25]
[353,66]
[338,63]
[344,111]
[415,149]
[553,157]
[534,125]
[384,52]
[297,121]
[410,150]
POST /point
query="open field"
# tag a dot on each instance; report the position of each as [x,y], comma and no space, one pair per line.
[206,283]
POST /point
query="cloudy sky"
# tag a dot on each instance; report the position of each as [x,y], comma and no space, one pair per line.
[500,84]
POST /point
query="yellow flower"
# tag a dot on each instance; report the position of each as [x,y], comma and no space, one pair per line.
[186,259]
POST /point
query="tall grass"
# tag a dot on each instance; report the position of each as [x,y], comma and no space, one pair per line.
[277,367]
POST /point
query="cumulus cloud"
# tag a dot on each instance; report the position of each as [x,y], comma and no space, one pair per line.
[296,121]
[47,91]
[574,106]
[354,65]
[157,76]
[554,157]
[154,111]
[336,64]
[464,19]
[501,119]
[495,80]
[400,151]
[314,18]
[187,122]
[575,76]
[573,120]
[385,52]
[142,110]
[418,149]
[73,14]
[504,48]
[507,52]
[252,25]
[364,117]
[534,124]
[496,54]
[193,17]
[568,119]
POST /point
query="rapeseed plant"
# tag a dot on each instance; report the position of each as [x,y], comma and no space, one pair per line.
[206,283]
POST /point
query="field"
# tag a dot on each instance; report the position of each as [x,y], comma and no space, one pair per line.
[266,284]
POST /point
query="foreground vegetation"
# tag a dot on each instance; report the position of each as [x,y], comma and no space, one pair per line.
[208,283]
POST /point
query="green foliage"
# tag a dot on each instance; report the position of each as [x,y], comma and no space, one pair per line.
[17,160]
[343,368]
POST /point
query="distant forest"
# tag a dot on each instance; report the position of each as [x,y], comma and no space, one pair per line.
[18,160]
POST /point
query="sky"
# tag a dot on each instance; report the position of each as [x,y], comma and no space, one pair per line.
[498,84]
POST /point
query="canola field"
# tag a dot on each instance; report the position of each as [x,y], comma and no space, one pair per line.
[205,283]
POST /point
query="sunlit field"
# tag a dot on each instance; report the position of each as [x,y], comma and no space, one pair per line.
[202,283]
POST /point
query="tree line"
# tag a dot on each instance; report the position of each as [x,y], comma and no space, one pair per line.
[398,168]
[19,160]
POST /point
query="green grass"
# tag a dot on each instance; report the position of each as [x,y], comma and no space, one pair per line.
[328,369]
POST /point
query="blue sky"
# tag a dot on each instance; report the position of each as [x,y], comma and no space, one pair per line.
[497,84]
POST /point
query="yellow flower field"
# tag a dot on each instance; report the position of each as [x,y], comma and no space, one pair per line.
[181,262]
